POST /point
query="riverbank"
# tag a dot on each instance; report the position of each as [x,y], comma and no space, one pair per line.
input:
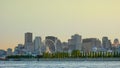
[65,59]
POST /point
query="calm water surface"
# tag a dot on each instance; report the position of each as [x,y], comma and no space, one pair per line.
[59,64]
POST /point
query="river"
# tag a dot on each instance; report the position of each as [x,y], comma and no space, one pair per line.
[59,64]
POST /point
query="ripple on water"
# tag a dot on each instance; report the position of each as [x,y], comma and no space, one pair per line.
[59,64]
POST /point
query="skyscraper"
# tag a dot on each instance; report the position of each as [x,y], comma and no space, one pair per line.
[28,37]
[59,46]
[106,43]
[37,45]
[75,43]
[28,43]
[65,46]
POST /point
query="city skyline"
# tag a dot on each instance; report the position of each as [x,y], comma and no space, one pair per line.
[30,38]
[89,18]
[51,44]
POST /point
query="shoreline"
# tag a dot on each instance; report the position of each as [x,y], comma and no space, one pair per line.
[65,59]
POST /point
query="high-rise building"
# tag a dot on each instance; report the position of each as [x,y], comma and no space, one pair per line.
[110,44]
[28,43]
[9,51]
[3,53]
[51,42]
[37,45]
[75,43]
[59,46]
[106,43]
[71,45]
[116,43]
[19,50]
[65,47]
[28,37]
[91,44]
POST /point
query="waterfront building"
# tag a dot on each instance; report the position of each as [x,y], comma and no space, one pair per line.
[116,43]
[9,52]
[75,43]
[59,46]
[65,47]
[51,42]
[43,48]
[28,37]
[91,44]
[71,45]
[3,53]
[29,43]
[106,43]
[19,50]
[37,45]
[117,49]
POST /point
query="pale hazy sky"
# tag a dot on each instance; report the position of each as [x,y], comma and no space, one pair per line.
[61,18]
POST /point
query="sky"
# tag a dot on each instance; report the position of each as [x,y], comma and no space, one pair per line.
[60,18]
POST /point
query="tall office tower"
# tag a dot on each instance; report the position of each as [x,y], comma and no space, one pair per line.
[65,46]
[28,43]
[28,37]
[9,51]
[51,42]
[116,43]
[43,48]
[75,43]
[59,46]
[37,45]
[91,44]
[106,43]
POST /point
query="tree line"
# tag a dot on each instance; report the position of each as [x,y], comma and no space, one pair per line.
[73,54]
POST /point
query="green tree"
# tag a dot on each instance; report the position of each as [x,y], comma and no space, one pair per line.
[75,53]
